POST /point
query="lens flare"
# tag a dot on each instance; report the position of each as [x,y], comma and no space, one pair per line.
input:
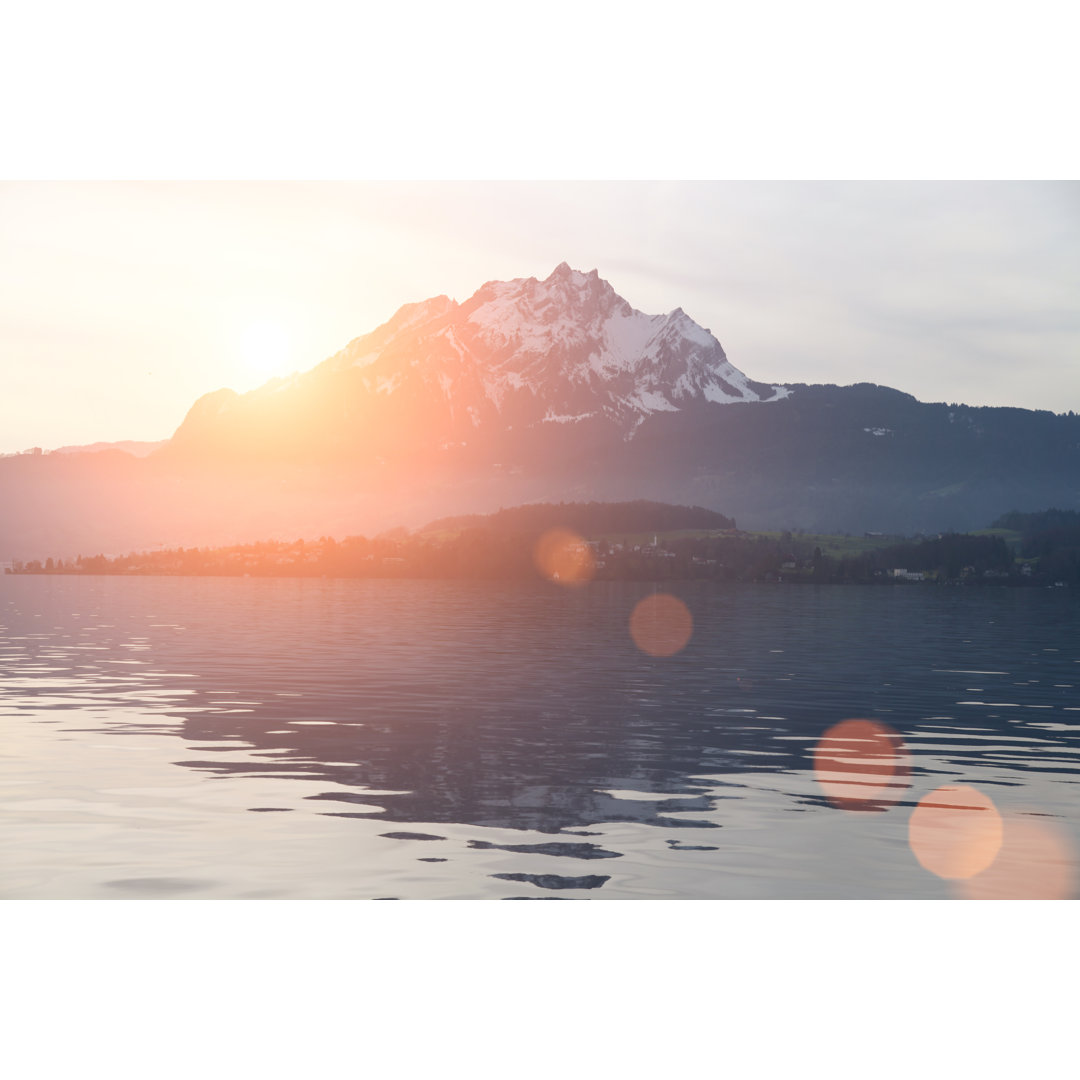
[955,832]
[861,765]
[563,557]
[661,625]
[1036,862]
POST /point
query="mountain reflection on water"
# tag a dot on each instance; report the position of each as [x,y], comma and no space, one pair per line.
[510,737]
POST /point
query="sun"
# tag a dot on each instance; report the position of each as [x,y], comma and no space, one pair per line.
[266,350]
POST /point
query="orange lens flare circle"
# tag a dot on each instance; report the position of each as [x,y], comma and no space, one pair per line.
[563,557]
[1036,862]
[861,765]
[955,832]
[661,625]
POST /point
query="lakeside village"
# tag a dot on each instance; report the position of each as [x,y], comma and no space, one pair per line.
[1020,550]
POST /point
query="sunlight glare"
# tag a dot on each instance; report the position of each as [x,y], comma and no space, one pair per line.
[661,625]
[564,558]
[955,831]
[861,765]
[266,349]
[1036,862]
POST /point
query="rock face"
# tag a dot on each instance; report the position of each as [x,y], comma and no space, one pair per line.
[516,355]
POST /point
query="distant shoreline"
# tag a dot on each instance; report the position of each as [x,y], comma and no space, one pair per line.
[796,580]
[1024,550]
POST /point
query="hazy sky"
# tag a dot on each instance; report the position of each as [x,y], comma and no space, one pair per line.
[121,303]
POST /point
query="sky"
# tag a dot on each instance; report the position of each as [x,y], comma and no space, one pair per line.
[123,302]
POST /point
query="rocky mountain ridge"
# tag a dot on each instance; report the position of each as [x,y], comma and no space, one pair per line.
[518,353]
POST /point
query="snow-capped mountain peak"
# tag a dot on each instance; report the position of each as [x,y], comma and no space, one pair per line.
[518,354]
[567,347]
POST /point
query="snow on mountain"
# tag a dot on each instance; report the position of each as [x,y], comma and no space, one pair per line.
[518,356]
[563,349]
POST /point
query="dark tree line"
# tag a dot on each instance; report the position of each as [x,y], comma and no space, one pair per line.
[1051,538]
[502,546]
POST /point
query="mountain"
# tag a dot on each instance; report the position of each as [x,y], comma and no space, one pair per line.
[532,391]
[517,355]
[128,446]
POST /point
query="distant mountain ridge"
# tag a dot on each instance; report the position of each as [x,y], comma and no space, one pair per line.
[126,446]
[533,391]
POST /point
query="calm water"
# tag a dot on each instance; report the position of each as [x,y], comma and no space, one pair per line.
[189,738]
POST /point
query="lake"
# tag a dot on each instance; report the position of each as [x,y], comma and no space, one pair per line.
[185,738]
